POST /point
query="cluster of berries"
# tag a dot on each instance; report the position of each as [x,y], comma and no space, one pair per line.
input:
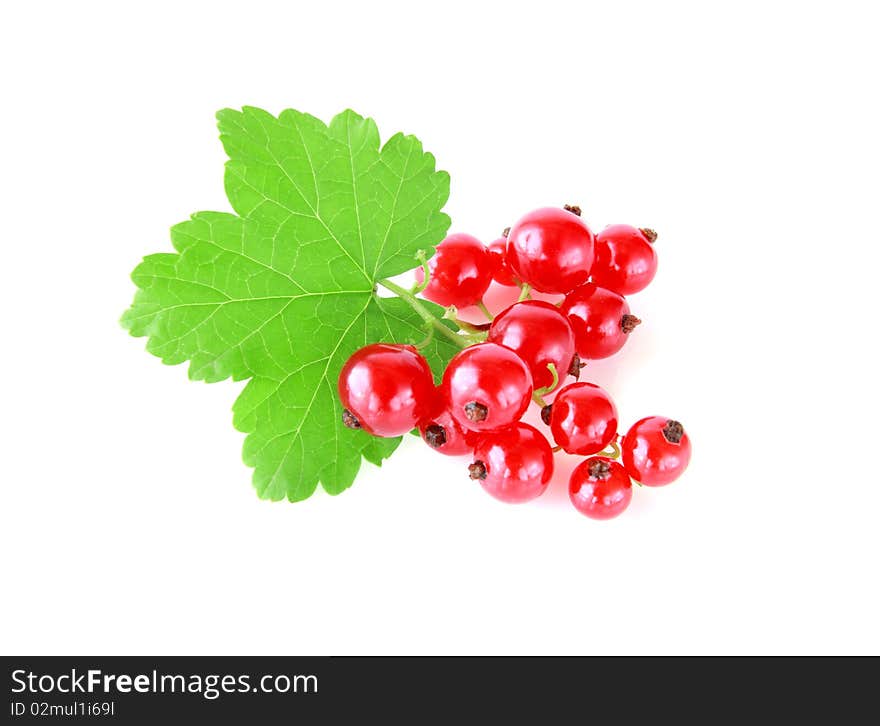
[521,356]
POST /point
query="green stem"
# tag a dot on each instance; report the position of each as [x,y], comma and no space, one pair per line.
[485,310]
[525,292]
[547,389]
[614,453]
[471,329]
[537,398]
[419,287]
[423,312]
[451,313]
[474,338]
[427,339]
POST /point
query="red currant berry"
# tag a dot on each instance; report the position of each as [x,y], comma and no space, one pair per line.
[502,274]
[539,334]
[551,249]
[656,450]
[513,465]
[443,433]
[487,387]
[600,488]
[385,389]
[600,319]
[625,259]
[461,272]
[583,418]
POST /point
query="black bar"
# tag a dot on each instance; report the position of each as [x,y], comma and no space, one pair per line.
[305,690]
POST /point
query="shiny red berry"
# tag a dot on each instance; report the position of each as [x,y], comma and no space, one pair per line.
[487,387]
[539,334]
[600,319]
[583,418]
[551,249]
[600,488]
[656,450]
[385,389]
[625,258]
[443,433]
[501,272]
[461,271]
[513,465]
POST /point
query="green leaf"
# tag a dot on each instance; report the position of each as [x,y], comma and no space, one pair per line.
[283,291]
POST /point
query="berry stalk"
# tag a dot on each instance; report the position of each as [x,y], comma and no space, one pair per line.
[419,287]
[423,312]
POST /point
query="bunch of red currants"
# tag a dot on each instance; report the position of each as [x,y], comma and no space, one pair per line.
[520,357]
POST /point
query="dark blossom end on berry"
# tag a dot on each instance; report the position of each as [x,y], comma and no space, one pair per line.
[477,470]
[600,469]
[673,431]
[475,412]
[435,436]
[350,420]
[575,368]
[628,323]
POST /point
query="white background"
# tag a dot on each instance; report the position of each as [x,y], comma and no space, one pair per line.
[746,134]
